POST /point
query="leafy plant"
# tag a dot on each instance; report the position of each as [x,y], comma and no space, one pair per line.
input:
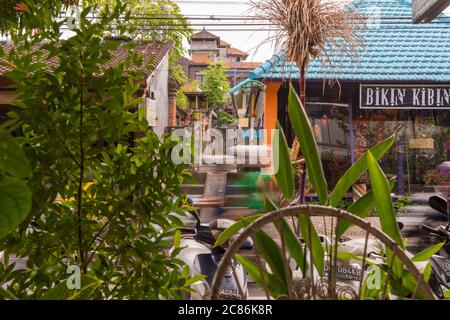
[400,281]
[401,203]
[181,79]
[101,197]
[216,86]
[433,177]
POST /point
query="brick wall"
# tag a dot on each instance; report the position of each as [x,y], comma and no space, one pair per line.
[172,109]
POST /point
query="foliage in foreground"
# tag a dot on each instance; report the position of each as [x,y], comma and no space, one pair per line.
[101,197]
[400,282]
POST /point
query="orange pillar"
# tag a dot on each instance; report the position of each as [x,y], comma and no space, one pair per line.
[271,107]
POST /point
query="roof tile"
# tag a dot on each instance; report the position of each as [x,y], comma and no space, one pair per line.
[406,51]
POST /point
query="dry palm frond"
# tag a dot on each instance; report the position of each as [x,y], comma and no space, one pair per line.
[312,28]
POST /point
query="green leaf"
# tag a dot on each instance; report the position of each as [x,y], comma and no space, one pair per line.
[62,292]
[382,194]
[383,203]
[361,208]
[310,151]
[274,286]
[426,254]
[293,245]
[192,280]
[356,170]
[234,228]
[271,254]
[252,269]
[177,239]
[284,174]
[447,294]
[312,241]
[15,204]
[269,205]
[12,157]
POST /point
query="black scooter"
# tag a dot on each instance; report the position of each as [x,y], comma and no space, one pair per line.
[440,263]
[203,258]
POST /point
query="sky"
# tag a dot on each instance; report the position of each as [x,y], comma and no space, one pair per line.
[248,41]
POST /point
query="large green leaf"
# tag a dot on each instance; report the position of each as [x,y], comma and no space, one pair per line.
[234,228]
[426,254]
[383,203]
[15,204]
[293,245]
[361,208]
[310,151]
[284,174]
[356,170]
[381,190]
[312,241]
[274,286]
[12,157]
[272,254]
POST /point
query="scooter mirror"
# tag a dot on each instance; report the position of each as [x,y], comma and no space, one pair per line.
[194,212]
[440,204]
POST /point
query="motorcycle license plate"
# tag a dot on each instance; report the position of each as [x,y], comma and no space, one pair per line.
[348,273]
[229,294]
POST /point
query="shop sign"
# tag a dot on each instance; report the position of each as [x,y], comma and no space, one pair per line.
[421,143]
[404,96]
[151,111]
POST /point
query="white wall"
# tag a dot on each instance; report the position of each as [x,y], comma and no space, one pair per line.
[158,84]
[203,45]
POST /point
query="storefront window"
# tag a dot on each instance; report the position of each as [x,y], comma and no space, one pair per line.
[422,146]
[330,124]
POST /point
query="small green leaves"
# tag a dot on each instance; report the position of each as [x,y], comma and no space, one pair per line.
[62,292]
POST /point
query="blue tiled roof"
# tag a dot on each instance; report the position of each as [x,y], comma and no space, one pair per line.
[396,50]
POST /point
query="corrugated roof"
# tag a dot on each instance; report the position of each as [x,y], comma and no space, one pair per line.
[396,50]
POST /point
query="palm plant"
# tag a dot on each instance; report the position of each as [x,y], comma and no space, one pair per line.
[309,29]
[399,275]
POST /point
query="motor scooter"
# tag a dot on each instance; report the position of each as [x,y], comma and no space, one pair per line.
[199,253]
[440,262]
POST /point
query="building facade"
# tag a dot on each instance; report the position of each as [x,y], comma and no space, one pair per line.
[400,86]
[206,48]
[155,86]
